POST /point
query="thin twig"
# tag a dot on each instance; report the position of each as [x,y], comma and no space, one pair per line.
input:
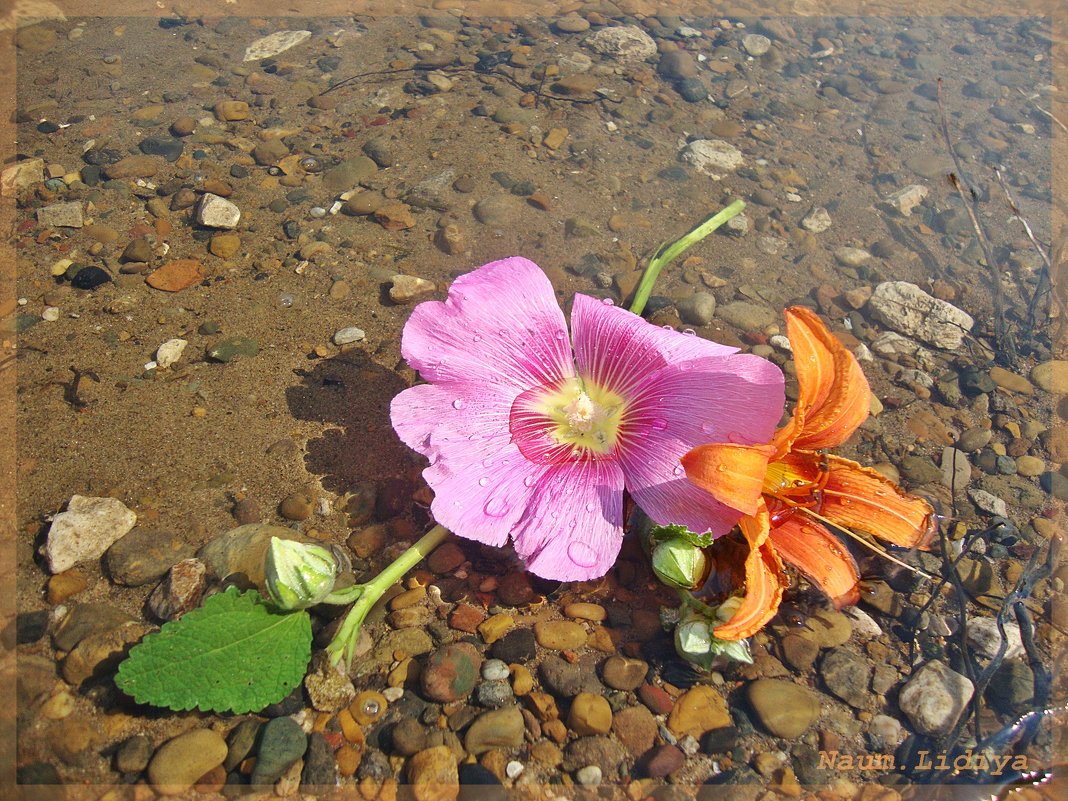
[1047,113]
[1045,276]
[1002,338]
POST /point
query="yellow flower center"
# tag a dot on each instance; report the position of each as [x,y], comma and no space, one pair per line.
[585,416]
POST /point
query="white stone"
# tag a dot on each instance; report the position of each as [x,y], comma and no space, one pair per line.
[907,198]
[406,288]
[851,257]
[346,336]
[886,733]
[88,528]
[983,636]
[713,157]
[934,698]
[513,769]
[817,221]
[956,472]
[624,43]
[20,175]
[909,310]
[755,44]
[170,352]
[50,314]
[988,502]
[217,212]
[589,776]
[62,215]
[738,225]
[864,625]
[276,43]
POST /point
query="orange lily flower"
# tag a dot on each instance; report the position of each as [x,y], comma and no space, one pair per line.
[790,488]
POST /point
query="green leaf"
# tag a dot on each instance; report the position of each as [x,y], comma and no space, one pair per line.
[235,653]
[674,530]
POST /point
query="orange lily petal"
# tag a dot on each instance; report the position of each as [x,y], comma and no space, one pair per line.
[732,474]
[764,581]
[820,556]
[858,497]
[834,396]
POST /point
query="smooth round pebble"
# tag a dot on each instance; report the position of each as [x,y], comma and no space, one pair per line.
[494,670]
[589,776]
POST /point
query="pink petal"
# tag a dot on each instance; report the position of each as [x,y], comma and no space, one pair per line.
[531,429]
[619,350]
[501,325]
[737,398]
[573,526]
[480,480]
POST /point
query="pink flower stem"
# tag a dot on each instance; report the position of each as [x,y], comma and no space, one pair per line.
[669,251]
[367,595]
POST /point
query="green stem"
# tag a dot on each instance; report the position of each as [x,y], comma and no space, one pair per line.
[344,642]
[688,600]
[668,252]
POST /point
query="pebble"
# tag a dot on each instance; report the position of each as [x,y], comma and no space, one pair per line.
[1030,466]
[589,714]
[99,648]
[563,678]
[597,750]
[225,245]
[167,147]
[783,708]
[578,85]
[636,728]
[445,558]
[697,309]
[851,257]
[497,210]
[61,215]
[408,288]
[712,157]
[133,167]
[176,275]
[662,761]
[90,278]
[571,23]
[133,755]
[494,694]
[746,316]
[349,174]
[495,627]
[495,670]
[517,646]
[364,203]
[699,709]
[450,673]
[817,221]
[179,762]
[906,199]
[677,64]
[624,673]
[1010,381]
[1012,687]
[180,591]
[394,216]
[983,636]
[498,728]
[217,212]
[588,776]
[170,352]
[320,767]
[848,676]
[347,336]
[86,530]
[183,126]
[625,43]
[909,310]
[275,43]
[231,110]
[282,742]
[144,555]
[934,698]
[1051,376]
[226,350]
[559,635]
[433,775]
[20,175]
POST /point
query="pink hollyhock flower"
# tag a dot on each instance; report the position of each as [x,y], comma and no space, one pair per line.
[529,440]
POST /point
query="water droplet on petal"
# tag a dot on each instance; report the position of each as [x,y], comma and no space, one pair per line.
[667,327]
[561,335]
[678,470]
[582,554]
[736,437]
[495,507]
[689,332]
[606,302]
[483,481]
[458,404]
[591,506]
[528,481]
[658,423]
[477,338]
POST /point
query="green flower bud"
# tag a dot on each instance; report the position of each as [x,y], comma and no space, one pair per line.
[679,563]
[298,575]
[695,642]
